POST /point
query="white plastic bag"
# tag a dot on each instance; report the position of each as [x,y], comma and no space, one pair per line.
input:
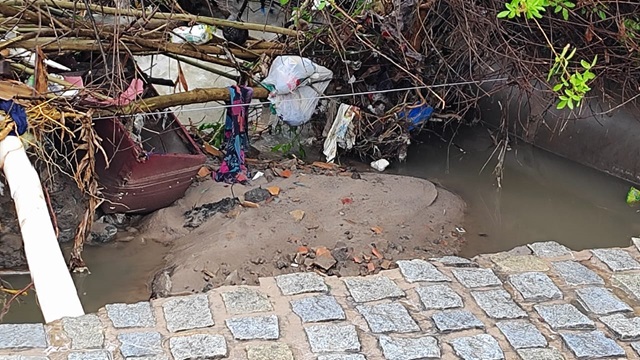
[199,34]
[342,132]
[298,84]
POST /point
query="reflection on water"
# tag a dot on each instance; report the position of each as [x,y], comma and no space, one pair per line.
[543,197]
[120,272]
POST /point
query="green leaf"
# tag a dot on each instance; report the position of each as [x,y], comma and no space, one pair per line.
[570,104]
[562,104]
[284,2]
[569,4]
[558,87]
[602,15]
[595,60]
[573,52]
[585,64]
[565,14]
[503,14]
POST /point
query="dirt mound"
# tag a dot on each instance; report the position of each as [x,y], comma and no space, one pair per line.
[355,225]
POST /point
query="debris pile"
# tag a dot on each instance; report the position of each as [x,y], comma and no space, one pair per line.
[341,260]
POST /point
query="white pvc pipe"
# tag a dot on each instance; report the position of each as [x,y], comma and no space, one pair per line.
[56,292]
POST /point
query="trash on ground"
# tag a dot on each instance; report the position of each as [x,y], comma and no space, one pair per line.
[380,165]
[197,216]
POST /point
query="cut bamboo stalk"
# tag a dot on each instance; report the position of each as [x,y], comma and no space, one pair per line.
[48,44]
[196,96]
[55,290]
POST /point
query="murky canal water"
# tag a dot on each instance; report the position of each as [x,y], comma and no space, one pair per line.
[120,272]
[543,197]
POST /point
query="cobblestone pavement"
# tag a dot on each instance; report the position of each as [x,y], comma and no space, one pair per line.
[536,302]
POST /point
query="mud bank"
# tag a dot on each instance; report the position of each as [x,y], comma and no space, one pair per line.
[402,217]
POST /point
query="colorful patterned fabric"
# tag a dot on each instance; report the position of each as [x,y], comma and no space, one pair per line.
[233,168]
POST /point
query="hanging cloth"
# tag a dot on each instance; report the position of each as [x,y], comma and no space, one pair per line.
[233,168]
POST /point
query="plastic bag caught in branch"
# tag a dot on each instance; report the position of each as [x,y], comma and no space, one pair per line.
[297,83]
[199,34]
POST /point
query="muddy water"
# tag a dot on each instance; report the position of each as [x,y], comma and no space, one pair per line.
[120,272]
[543,197]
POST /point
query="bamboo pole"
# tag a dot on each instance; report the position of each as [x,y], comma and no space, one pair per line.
[48,44]
[56,292]
[185,98]
[80,6]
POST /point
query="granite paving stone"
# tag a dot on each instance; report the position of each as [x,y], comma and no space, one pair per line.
[574,273]
[591,345]
[318,308]
[548,249]
[384,318]
[564,317]
[478,347]
[636,347]
[475,278]
[535,286]
[187,312]
[273,351]
[522,334]
[497,304]
[600,301]
[629,283]
[372,288]
[409,348]
[624,328]
[254,328]
[90,355]
[140,344]
[151,357]
[616,259]
[198,346]
[341,357]
[439,297]
[540,354]
[455,261]
[420,270]
[299,283]
[131,315]
[519,263]
[245,300]
[454,320]
[85,331]
[22,357]
[22,336]
[332,338]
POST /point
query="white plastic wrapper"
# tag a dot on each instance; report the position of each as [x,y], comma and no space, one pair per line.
[198,34]
[298,85]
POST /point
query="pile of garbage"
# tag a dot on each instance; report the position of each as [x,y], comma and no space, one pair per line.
[339,261]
